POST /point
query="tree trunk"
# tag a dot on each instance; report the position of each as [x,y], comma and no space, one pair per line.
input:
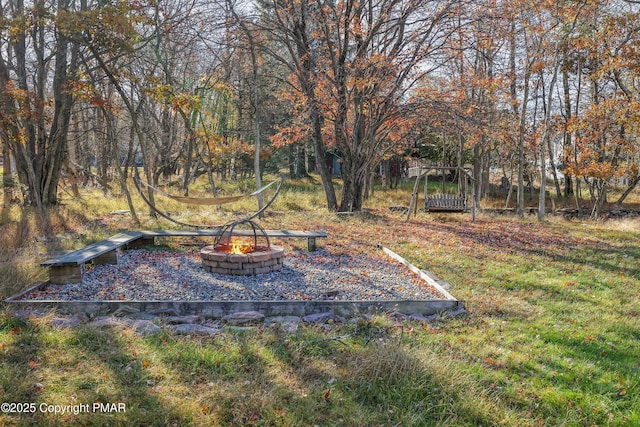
[543,182]
[319,153]
[353,188]
[509,193]
[110,137]
[523,117]
[385,172]
[292,161]
[187,166]
[486,160]
[301,161]
[297,161]
[554,170]
[256,117]
[372,179]
[103,161]
[368,183]
[63,102]
[7,175]
[634,182]
[568,188]
[600,194]
[168,127]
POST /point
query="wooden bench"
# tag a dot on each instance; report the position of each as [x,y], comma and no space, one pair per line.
[147,238]
[445,203]
[70,267]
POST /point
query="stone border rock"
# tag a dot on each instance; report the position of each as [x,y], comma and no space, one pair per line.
[219,309]
[150,323]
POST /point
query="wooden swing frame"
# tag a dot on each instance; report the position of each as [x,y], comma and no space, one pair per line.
[443,202]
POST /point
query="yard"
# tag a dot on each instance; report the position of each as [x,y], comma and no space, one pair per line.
[551,339]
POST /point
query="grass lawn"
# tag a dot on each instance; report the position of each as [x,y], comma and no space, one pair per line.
[552,339]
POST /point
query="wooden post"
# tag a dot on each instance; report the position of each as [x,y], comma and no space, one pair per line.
[473,198]
[464,178]
[61,275]
[414,195]
[311,244]
[426,190]
[141,243]
[111,257]
[415,205]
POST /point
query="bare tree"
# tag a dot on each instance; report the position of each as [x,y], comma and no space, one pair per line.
[37,65]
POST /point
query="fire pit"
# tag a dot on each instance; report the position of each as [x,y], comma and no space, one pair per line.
[242,251]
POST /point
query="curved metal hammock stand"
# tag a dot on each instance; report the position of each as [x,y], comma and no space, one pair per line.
[211,201]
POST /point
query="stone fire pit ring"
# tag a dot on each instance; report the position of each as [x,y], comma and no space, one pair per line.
[260,261]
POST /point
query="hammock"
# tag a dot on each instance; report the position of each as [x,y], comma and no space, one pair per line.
[206,201]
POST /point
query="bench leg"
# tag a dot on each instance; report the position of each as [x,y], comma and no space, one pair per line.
[311,244]
[111,257]
[66,274]
[142,242]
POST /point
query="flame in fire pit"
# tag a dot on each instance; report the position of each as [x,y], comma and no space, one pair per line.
[237,246]
[244,242]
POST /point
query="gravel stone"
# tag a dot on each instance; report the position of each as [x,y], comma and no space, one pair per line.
[165,312]
[65,322]
[459,312]
[109,321]
[141,327]
[125,311]
[145,328]
[179,276]
[191,329]
[282,320]
[417,317]
[399,317]
[176,320]
[286,324]
[28,314]
[244,318]
[320,317]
